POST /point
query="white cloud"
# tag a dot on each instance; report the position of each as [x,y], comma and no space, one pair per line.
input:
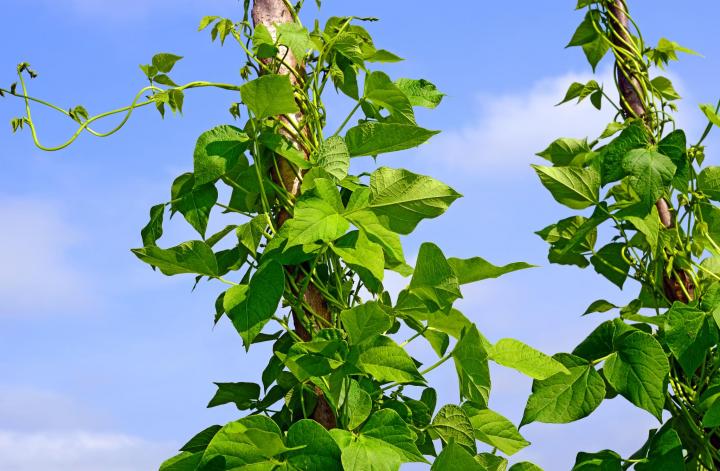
[44,430]
[78,451]
[40,276]
[510,129]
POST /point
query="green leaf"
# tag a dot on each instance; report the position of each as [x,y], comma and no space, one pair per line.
[359,405]
[562,152]
[251,306]
[243,395]
[192,201]
[453,425]
[471,364]
[201,440]
[646,222]
[373,138]
[315,220]
[708,181]
[710,114]
[381,55]
[564,398]
[514,354]
[364,256]
[365,321]
[387,426]
[163,79]
[369,223]
[491,462]
[185,461]
[153,230]
[581,91]
[296,37]
[595,51]
[217,151]
[194,256]
[605,460]
[285,148]
[571,238]
[612,155]
[665,452]
[474,269]
[600,305]
[316,449]
[650,173]
[434,279]
[385,360]
[420,92]
[609,262]
[455,457]
[638,370]
[585,32]
[663,87]
[251,233]
[333,157]
[525,466]
[689,335]
[576,188]
[381,91]
[495,430]
[165,62]
[251,440]
[599,343]
[269,95]
[711,418]
[401,199]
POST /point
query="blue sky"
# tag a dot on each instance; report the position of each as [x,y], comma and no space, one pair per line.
[107,366]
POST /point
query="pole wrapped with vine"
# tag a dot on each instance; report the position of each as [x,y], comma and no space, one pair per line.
[662,225]
[304,262]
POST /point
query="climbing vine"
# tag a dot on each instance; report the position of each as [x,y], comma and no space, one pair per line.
[660,224]
[308,252]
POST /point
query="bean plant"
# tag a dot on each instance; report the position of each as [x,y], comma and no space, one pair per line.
[304,261]
[647,195]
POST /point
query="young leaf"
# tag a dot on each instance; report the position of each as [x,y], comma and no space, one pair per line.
[201,440]
[385,360]
[609,262]
[564,398]
[495,430]
[454,456]
[313,447]
[562,152]
[471,364]
[638,370]
[359,405]
[401,199]
[192,201]
[689,335]
[243,395]
[333,157]
[650,173]
[576,188]
[514,354]
[453,424]
[665,452]
[315,220]
[153,230]
[251,306]
[217,151]
[194,256]
[296,37]
[708,181]
[269,95]
[420,92]
[474,269]
[663,87]
[365,321]
[381,91]
[434,279]
[373,138]
[605,460]
[165,62]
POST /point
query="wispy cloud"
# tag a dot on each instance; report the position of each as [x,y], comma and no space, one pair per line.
[40,276]
[45,430]
[78,451]
[509,129]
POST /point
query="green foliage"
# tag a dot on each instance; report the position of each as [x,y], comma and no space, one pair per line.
[652,202]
